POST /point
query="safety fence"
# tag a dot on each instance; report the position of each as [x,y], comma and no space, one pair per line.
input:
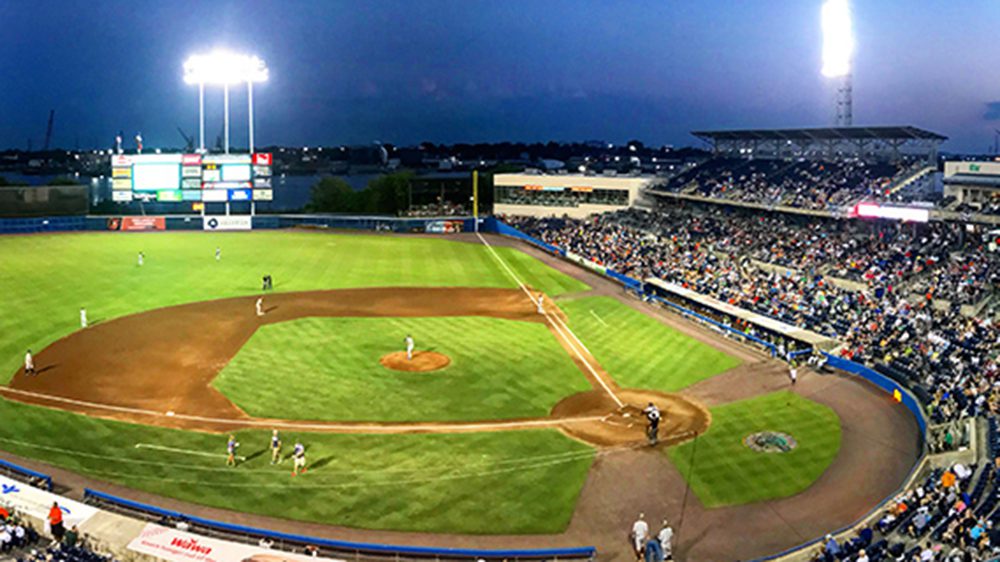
[356,550]
[147,223]
[18,472]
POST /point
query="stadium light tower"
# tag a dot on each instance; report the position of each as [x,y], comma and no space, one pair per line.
[838,51]
[224,68]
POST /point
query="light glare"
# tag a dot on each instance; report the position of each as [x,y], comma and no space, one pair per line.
[838,42]
[224,67]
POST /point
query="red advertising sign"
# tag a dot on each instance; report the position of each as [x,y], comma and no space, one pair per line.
[191,160]
[143,223]
[262,159]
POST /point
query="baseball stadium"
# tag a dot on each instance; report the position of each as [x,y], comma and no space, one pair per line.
[777,344]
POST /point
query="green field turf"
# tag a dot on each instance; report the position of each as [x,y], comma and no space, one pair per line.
[328,369]
[484,483]
[727,472]
[638,351]
[47,278]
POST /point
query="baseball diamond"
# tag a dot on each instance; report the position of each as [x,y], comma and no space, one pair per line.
[512,425]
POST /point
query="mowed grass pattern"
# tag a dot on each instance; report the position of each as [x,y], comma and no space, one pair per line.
[484,483]
[45,279]
[640,352]
[727,472]
[328,369]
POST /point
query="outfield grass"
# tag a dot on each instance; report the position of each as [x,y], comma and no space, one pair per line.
[483,483]
[638,351]
[47,278]
[727,472]
[328,369]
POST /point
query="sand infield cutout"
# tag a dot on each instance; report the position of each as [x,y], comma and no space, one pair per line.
[422,362]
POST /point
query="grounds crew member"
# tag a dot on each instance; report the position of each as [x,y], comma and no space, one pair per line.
[231,447]
[275,447]
[653,418]
[299,457]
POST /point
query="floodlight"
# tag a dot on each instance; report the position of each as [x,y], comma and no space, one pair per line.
[224,67]
[838,42]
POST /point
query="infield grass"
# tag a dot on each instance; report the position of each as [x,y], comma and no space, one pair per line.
[328,369]
[45,279]
[727,472]
[638,350]
[485,483]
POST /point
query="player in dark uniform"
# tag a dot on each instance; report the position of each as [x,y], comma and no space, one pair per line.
[275,447]
[653,419]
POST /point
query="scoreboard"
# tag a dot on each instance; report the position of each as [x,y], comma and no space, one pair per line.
[191,177]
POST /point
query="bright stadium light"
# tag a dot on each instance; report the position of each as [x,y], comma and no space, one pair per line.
[221,67]
[838,42]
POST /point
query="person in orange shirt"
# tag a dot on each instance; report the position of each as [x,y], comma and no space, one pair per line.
[56,522]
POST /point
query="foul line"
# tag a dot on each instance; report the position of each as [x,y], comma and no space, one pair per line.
[332,427]
[184,451]
[599,319]
[556,322]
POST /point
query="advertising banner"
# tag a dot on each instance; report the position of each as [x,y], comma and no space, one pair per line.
[121,173]
[178,546]
[233,222]
[586,263]
[144,223]
[444,227]
[169,195]
[191,195]
[215,195]
[37,503]
[263,195]
[121,196]
[262,159]
[121,184]
[239,194]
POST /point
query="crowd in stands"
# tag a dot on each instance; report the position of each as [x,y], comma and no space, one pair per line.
[440,209]
[810,184]
[902,316]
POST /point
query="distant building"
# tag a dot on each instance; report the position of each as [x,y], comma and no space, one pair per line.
[576,196]
[976,184]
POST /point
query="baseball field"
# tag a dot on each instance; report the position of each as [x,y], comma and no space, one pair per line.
[507,434]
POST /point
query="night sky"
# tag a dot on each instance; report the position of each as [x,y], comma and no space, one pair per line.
[404,72]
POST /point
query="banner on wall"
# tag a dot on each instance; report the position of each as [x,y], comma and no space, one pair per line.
[444,227]
[178,546]
[37,503]
[144,223]
[223,222]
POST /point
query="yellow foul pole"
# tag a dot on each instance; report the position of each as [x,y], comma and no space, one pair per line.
[475,198]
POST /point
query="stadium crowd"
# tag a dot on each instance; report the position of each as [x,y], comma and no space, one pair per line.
[810,184]
[901,315]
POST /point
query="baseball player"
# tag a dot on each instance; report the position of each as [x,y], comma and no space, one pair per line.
[639,531]
[83,317]
[541,301]
[231,447]
[275,447]
[299,456]
[260,306]
[141,259]
[653,417]
[29,364]
[218,253]
[793,372]
[409,347]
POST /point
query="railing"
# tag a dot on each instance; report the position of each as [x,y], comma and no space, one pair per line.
[356,549]
[25,474]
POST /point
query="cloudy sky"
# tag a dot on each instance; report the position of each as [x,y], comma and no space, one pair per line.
[448,71]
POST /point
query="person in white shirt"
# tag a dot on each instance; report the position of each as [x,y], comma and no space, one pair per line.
[666,538]
[260,306]
[83,317]
[640,530]
[862,557]
[29,364]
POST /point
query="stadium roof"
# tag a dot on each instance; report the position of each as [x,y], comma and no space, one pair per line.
[822,134]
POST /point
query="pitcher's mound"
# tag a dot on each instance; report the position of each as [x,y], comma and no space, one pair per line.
[422,362]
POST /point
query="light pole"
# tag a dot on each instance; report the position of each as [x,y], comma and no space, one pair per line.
[224,68]
[838,51]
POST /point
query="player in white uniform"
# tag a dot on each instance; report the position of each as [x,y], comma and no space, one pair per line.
[275,447]
[29,364]
[666,538]
[83,317]
[299,456]
[541,303]
[793,372]
[260,306]
[409,347]
[141,258]
[640,529]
